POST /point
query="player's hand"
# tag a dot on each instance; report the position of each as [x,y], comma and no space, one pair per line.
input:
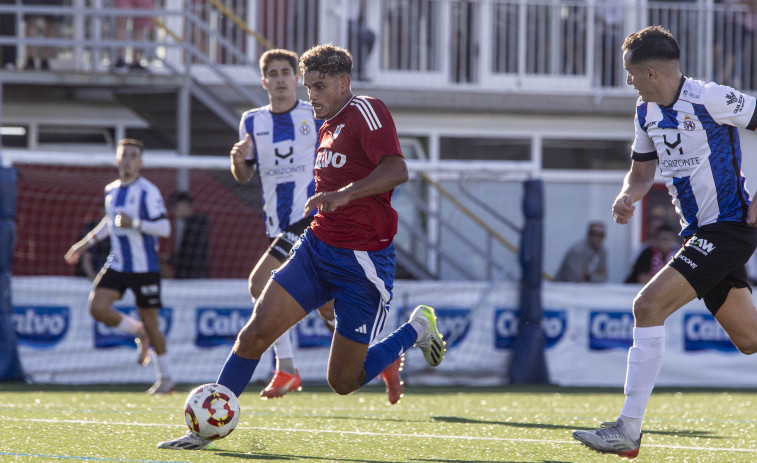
[240,149]
[73,254]
[123,220]
[622,209]
[751,218]
[326,202]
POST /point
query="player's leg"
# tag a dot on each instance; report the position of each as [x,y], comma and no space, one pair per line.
[363,281]
[662,296]
[285,300]
[109,286]
[146,289]
[738,317]
[275,312]
[285,377]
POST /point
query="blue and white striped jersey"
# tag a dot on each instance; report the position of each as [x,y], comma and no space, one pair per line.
[131,250]
[696,144]
[283,153]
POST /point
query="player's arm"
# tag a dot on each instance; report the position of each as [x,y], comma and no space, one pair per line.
[241,168]
[636,184]
[99,233]
[390,172]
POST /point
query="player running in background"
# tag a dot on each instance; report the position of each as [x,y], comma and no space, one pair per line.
[135,217]
[278,142]
[346,254]
[688,129]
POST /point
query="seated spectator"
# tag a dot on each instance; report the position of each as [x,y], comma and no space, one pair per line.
[141,27]
[586,260]
[653,258]
[39,57]
[193,251]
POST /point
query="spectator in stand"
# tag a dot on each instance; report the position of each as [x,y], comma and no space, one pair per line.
[39,57]
[653,257]
[586,260]
[8,29]
[141,26]
[193,253]
[360,37]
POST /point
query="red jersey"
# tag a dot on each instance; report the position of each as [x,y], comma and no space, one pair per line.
[352,144]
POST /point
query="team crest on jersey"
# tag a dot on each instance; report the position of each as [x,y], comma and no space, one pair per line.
[304,127]
[689,124]
[338,129]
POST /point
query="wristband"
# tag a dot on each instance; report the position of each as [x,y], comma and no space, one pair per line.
[136,223]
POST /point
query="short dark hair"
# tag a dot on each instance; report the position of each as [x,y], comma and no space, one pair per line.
[277,53]
[132,142]
[652,43]
[326,59]
[178,197]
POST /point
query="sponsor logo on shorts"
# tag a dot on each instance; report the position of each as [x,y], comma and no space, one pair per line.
[219,326]
[701,245]
[702,332]
[41,327]
[688,261]
[107,336]
[312,332]
[553,324]
[610,330]
[149,290]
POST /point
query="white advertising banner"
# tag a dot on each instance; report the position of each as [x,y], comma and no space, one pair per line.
[588,330]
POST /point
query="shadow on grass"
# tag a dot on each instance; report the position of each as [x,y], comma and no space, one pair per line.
[281,457]
[515,424]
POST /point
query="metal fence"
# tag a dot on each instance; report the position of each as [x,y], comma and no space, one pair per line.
[493,45]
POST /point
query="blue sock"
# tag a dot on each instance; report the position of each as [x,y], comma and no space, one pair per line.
[389,349]
[237,372]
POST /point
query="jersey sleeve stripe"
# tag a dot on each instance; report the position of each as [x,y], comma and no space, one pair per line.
[368,113]
[753,123]
[643,157]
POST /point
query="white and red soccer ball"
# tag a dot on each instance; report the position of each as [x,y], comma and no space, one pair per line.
[211,411]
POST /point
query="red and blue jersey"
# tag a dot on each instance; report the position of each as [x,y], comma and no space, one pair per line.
[352,144]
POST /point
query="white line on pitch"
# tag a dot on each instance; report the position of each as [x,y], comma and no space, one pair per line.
[381,434]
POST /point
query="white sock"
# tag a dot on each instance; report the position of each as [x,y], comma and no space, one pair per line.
[129,325]
[282,347]
[419,328]
[162,366]
[644,364]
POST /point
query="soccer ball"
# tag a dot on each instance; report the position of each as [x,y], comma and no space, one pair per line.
[211,411]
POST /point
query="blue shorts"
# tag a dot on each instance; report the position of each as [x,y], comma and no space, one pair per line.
[360,282]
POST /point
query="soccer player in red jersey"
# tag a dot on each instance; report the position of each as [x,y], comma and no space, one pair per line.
[346,254]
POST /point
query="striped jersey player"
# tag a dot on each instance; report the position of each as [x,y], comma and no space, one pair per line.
[689,131]
[283,153]
[696,144]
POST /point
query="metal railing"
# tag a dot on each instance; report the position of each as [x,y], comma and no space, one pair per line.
[492,45]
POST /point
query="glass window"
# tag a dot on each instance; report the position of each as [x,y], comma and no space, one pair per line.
[586,154]
[485,149]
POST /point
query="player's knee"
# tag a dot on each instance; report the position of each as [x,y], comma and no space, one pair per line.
[251,343]
[643,309]
[342,384]
[748,346]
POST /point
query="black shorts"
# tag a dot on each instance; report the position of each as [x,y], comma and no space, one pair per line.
[145,286]
[282,244]
[713,260]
